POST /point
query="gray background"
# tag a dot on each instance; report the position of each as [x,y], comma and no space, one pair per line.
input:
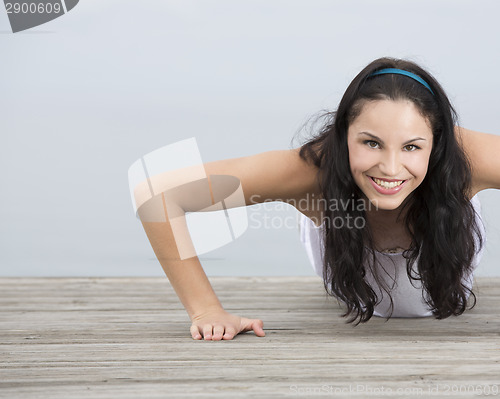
[85,95]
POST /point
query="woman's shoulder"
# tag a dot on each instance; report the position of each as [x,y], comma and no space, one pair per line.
[483,152]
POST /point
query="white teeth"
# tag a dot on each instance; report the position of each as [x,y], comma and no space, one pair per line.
[385,184]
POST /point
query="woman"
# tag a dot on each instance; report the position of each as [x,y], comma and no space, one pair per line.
[407,234]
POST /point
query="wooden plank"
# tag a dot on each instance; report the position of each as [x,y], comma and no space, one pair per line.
[129,338]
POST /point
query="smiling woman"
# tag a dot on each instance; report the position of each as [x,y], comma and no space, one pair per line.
[409,234]
[383,153]
[392,142]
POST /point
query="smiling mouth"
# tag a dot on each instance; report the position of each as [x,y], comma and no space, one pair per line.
[387,183]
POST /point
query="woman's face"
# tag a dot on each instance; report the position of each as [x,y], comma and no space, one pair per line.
[390,143]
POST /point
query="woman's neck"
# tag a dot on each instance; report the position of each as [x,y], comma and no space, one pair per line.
[388,229]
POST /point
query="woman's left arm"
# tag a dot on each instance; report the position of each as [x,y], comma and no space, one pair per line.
[483,151]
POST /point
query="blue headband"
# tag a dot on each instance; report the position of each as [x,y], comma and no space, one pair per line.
[405,73]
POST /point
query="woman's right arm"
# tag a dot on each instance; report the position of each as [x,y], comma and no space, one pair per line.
[269,176]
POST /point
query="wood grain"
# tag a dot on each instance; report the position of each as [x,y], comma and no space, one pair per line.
[129,338]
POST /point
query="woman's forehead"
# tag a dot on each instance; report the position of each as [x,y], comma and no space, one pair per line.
[391,119]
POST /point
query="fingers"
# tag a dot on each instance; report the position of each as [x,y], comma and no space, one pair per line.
[229,334]
[218,332]
[195,333]
[254,324]
[258,328]
[215,334]
[207,331]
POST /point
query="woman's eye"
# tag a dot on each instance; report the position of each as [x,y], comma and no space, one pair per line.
[371,143]
[410,147]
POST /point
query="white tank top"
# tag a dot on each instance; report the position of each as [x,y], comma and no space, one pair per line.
[408,299]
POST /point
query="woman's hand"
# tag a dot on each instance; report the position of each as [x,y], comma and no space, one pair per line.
[218,324]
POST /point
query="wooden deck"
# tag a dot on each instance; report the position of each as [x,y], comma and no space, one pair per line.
[129,338]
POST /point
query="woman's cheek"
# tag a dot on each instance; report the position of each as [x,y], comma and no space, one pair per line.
[362,160]
[417,166]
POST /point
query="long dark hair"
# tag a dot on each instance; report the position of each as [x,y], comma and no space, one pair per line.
[440,218]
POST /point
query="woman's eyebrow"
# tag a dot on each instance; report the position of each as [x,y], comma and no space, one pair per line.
[382,141]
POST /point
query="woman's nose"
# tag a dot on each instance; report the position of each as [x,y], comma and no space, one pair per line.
[390,164]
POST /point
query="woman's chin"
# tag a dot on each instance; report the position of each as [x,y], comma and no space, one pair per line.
[385,204]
